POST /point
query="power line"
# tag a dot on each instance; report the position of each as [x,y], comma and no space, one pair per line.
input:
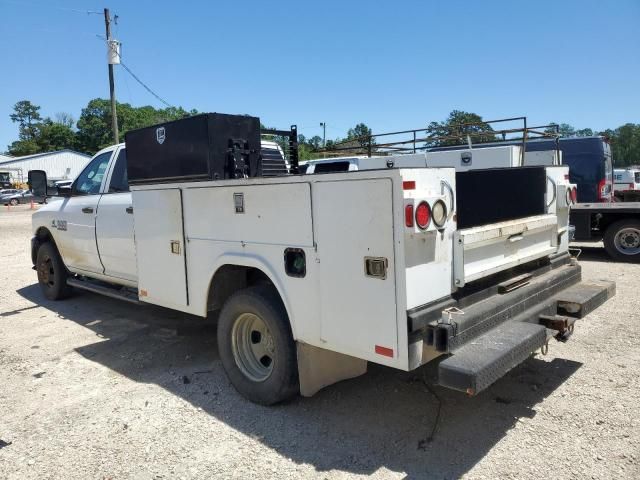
[144,85]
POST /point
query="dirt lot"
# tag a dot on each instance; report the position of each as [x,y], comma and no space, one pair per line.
[96,388]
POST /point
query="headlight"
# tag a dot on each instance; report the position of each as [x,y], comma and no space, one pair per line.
[439,213]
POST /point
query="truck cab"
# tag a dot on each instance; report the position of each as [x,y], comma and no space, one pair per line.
[94,217]
[92,221]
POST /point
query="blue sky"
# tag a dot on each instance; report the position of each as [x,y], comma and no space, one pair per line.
[393,65]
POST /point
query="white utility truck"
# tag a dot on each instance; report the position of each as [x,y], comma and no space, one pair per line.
[462,160]
[313,276]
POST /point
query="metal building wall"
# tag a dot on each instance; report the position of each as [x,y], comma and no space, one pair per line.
[62,165]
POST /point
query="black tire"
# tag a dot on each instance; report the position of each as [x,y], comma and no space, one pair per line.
[622,240]
[52,274]
[282,381]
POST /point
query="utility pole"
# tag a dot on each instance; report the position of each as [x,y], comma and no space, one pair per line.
[112,90]
[324,134]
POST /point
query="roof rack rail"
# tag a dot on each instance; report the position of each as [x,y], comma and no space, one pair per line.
[423,139]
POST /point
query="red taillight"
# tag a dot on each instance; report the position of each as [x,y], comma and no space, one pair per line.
[408,215]
[603,192]
[574,195]
[423,215]
[409,185]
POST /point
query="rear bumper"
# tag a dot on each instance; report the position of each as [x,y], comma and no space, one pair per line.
[499,327]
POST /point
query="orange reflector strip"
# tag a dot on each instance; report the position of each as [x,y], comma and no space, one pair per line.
[409,185]
[387,352]
[143,293]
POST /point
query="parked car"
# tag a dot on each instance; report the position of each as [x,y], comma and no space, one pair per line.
[22,196]
[8,191]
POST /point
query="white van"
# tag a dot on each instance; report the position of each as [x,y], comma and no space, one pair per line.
[625,180]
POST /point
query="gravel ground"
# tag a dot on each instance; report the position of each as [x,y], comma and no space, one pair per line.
[95,388]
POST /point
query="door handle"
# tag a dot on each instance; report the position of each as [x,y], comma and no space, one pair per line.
[129,210]
[87,210]
[515,238]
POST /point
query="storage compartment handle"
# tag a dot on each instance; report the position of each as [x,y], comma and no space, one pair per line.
[444,184]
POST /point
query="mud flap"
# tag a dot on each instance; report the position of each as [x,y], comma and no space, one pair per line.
[319,368]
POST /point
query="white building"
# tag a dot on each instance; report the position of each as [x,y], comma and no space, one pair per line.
[60,165]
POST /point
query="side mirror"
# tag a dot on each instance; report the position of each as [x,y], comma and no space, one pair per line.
[38,182]
[64,191]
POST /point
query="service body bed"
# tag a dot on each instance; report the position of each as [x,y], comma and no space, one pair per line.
[187,232]
[338,220]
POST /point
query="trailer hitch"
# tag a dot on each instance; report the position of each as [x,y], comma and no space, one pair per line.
[563,325]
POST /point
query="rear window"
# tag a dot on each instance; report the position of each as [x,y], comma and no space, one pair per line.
[331,167]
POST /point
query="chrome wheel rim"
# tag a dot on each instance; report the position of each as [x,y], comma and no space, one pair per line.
[13,202]
[253,347]
[627,241]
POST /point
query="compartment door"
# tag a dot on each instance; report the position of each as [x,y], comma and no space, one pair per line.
[160,247]
[353,221]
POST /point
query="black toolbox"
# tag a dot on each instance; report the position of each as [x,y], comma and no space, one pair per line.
[210,146]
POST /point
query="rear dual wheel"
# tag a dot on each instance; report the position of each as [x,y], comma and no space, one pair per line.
[256,346]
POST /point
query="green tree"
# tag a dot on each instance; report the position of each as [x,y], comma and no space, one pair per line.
[53,136]
[47,136]
[625,144]
[566,130]
[454,130]
[356,143]
[23,147]
[584,132]
[361,133]
[27,116]
[94,124]
[314,142]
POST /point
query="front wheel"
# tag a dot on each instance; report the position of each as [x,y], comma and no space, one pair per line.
[14,202]
[622,240]
[52,274]
[256,346]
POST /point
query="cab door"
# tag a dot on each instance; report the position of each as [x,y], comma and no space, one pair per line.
[76,224]
[114,224]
